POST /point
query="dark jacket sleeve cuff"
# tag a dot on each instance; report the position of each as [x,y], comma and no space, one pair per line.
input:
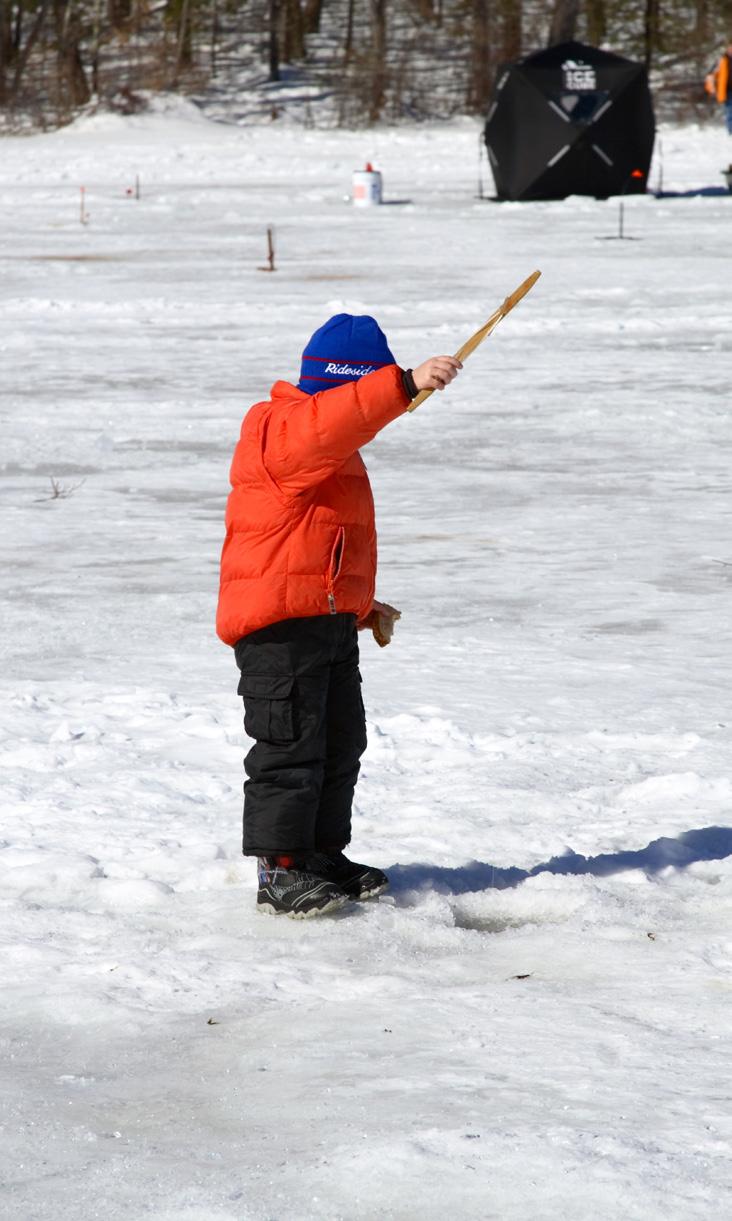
[408,383]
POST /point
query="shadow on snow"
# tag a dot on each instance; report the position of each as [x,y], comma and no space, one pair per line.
[694,193]
[706,844]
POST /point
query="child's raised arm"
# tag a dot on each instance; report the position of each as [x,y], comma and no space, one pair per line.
[307,440]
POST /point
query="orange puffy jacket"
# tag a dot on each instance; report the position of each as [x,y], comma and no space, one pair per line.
[300,532]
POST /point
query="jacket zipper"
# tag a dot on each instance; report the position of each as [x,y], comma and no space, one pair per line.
[336,559]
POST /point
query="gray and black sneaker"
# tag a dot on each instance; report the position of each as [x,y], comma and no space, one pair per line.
[297,892]
[358,881]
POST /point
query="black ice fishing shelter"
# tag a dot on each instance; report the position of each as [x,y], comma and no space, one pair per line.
[570,120]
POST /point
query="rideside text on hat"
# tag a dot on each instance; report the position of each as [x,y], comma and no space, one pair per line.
[343,349]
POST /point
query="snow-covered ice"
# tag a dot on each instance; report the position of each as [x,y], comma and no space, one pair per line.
[534,1023]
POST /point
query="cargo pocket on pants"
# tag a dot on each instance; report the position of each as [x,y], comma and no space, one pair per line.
[269,714]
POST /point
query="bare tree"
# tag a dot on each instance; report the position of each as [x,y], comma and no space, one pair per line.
[378,58]
[424,9]
[273,41]
[596,21]
[701,21]
[481,74]
[22,53]
[119,13]
[564,21]
[511,30]
[650,30]
[71,83]
[6,48]
[179,15]
[311,16]
[348,41]
[293,33]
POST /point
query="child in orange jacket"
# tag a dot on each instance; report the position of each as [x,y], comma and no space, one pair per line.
[298,574]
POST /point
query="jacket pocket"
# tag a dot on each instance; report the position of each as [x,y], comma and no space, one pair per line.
[336,560]
[269,707]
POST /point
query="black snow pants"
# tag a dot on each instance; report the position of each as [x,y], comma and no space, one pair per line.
[303,707]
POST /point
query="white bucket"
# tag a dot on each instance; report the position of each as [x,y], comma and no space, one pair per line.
[366,187]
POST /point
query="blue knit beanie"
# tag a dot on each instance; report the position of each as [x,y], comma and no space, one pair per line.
[343,349]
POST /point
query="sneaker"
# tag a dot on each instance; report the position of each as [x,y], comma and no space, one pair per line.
[358,881]
[297,892]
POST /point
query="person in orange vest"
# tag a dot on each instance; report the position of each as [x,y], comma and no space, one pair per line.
[298,574]
[718,84]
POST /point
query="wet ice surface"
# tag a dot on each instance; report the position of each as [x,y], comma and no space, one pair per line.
[534,1022]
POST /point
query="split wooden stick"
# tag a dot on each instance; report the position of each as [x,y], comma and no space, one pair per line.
[471,344]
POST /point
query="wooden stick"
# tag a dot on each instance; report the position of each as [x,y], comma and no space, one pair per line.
[471,344]
[270,252]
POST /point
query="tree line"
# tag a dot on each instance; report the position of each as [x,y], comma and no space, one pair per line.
[381,58]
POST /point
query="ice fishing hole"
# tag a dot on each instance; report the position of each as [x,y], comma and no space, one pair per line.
[486,924]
